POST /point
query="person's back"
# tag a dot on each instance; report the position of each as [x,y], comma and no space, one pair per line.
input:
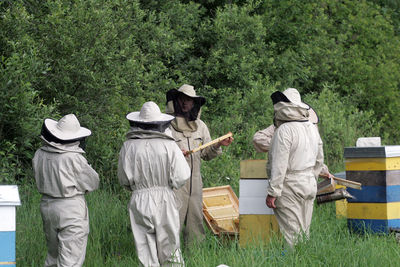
[151,165]
[59,173]
[302,143]
[304,138]
[63,176]
[154,159]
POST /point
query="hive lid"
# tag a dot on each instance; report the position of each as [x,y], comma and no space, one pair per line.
[372,152]
[9,195]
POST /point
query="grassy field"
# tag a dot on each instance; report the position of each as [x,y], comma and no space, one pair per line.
[111,242]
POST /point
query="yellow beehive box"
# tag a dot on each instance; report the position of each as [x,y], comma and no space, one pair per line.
[257,228]
[257,222]
[341,206]
[221,210]
[253,169]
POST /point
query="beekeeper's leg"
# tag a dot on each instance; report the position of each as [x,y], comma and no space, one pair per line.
[73,231]
[167,233]
[194,230]
[290,216]
[50,231]
[143,234]
[191,211]
[308,211]
[183,196]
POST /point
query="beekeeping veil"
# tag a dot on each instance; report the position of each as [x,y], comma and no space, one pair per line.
[65,134]
[289,107]
[184,121]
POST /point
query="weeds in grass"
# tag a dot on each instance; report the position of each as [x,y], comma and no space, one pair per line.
[111,242]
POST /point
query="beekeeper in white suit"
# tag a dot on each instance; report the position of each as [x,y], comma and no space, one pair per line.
[294,161]
[63,176]
[151,165]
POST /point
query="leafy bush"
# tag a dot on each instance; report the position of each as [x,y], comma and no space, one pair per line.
[341,123]
[351,45]
[21,109]
[102,59]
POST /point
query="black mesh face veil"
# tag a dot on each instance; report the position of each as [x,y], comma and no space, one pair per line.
[278,97]
[160,126]
[51,138]
[173,96]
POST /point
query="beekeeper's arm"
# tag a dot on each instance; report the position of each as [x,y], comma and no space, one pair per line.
[179,168]
[87,178]
[122,172]
[262,139]
[320,167]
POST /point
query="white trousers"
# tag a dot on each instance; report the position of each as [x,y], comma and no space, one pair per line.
[294,215]
[155,226]
[66,227]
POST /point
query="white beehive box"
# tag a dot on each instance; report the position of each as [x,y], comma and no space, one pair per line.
[9,199]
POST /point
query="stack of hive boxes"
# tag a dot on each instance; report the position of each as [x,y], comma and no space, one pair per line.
[257,222]
[377,206]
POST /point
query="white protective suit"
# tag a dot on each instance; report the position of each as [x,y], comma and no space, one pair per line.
[294,161]
[63,176]
[151,165]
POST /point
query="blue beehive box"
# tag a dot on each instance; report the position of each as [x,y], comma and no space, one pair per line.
[9,199]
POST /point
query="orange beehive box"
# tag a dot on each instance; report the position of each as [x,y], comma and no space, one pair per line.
[221,210]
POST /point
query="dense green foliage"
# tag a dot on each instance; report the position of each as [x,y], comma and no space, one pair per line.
[102,59]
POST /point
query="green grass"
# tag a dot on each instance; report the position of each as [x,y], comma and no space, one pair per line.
[111,241]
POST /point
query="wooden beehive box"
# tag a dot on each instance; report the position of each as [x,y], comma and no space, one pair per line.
[221,210]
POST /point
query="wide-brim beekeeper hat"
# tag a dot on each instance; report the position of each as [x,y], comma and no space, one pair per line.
[289,95]
[149,114]
[67,128]
[292,95]
[187,90]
